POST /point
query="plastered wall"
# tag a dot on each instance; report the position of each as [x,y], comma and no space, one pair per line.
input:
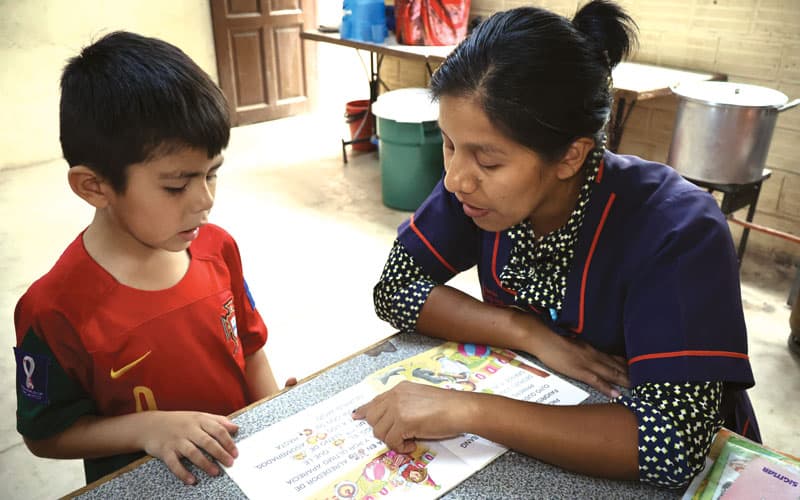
[38,36]
[751,41]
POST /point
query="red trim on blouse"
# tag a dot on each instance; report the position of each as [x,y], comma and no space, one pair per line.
[494,264]
[677,354]
[599,176]
[588,262]
[430,247]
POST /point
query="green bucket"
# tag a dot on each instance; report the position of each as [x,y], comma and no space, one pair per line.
[410,147]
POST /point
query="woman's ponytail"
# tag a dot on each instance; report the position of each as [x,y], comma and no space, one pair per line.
[541,78]
[609,27]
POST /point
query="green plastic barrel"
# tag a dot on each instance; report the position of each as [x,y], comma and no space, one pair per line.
[409,146]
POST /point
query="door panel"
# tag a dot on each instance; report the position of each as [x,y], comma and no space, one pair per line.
[248,68]
[262,62]
[289,55]
[285,5]
[243,6]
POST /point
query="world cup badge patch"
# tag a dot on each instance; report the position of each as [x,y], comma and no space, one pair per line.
[32,371]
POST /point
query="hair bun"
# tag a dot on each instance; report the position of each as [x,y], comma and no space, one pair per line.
[609,27]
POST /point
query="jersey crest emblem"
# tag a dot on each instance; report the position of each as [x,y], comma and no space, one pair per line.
[228,319]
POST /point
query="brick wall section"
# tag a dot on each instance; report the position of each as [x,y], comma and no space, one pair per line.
[752,41]
[398,73]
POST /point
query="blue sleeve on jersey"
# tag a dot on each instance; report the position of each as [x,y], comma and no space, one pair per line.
[249,295]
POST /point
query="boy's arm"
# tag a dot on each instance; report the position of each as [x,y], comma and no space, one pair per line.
[258,374]
[167,435]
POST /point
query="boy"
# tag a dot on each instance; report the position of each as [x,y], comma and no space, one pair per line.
[143,335]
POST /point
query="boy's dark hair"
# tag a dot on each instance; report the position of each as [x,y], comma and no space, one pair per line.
[128,98]
[541,78]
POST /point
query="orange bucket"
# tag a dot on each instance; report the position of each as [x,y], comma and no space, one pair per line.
[362,123]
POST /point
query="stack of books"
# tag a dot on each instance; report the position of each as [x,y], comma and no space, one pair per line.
[738,468]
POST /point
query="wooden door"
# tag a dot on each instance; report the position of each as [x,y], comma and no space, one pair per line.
[263,66]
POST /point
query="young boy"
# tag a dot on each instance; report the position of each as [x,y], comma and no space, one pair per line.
[143,335]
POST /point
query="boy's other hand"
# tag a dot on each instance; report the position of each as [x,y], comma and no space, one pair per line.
[291,381]
[185,434]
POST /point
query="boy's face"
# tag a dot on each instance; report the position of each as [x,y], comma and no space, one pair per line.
[167,199]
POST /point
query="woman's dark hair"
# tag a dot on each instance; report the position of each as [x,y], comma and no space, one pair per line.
[545,81]
[128,98]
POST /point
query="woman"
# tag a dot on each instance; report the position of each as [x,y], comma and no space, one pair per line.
[610,269]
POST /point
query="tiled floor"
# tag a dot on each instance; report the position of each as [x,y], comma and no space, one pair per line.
[313,235]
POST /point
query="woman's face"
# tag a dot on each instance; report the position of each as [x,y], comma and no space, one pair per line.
[498,181]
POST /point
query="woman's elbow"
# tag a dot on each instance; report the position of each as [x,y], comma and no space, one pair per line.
[41,448]
[382,301]
[676,470]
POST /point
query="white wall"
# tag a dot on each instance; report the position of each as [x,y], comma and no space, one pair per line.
[38,36]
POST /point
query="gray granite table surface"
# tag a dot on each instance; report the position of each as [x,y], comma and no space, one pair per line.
[512,475]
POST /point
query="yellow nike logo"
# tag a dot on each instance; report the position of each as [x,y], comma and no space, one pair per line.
[118,373]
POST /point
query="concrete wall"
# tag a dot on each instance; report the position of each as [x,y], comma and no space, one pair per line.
[752,41]
[38,36]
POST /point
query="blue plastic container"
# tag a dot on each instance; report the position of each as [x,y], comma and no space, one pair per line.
[364,20]
[346,29]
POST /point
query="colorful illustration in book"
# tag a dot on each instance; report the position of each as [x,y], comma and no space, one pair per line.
[321,452]
[388,472]
[454,366]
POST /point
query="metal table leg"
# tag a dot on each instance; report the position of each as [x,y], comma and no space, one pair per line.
[375,61]
[617,123]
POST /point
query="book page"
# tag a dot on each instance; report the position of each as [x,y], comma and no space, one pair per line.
[763,477]
[322,453]
[750,467]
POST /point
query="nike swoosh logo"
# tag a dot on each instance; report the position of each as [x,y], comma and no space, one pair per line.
[118,373]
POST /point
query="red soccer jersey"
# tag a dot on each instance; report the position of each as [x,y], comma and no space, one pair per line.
[130,350]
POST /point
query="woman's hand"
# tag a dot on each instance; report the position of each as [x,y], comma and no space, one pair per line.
[579,360]
[172,435]
[451,314]
[409,411]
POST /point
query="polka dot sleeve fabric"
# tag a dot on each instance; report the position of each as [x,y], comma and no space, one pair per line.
[402,289]
[677,423]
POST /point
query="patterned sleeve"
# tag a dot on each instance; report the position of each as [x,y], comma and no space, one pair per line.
[677,423]
[402,289]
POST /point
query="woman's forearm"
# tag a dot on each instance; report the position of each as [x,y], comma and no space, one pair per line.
[453,315]
[599,440]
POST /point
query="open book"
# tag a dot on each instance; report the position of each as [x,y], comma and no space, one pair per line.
[321,452]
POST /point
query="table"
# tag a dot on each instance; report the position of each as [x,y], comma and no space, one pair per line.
[632,82]
[429,55]
[511,476]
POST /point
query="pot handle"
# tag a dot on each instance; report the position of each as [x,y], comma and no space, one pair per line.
[789,105]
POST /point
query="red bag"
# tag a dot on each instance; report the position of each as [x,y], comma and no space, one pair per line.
[431,22]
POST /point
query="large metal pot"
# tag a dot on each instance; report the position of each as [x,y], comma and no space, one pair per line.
[723,130]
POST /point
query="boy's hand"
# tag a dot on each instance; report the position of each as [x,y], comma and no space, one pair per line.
[183,434]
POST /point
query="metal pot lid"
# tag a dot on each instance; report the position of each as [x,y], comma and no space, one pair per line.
[731,94]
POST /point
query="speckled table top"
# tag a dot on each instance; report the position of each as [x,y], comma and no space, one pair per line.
[512,475]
